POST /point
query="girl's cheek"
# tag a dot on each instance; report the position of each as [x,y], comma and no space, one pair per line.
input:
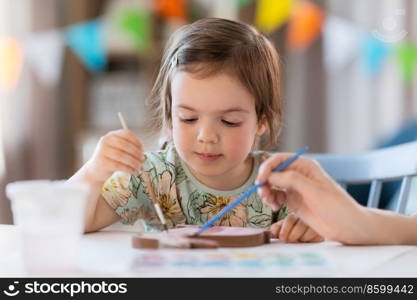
[182,134]
[240,141]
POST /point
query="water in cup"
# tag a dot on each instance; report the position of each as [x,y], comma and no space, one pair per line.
[50,217]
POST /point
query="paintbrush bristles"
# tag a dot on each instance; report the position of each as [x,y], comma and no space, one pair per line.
[161,215]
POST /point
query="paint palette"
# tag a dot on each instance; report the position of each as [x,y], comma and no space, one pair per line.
[232,263]
[214,237]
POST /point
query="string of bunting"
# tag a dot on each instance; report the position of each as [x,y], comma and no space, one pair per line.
[129,29]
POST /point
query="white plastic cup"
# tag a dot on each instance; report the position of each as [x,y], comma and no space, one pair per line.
[50,216]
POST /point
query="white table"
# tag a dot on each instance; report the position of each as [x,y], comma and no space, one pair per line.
[109,254]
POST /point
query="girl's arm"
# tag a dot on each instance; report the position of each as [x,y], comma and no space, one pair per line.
[95,206]
[117,150]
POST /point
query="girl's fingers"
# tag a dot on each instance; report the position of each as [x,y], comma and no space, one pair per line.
[119,141]
[297,231]
[116,152]
[129,136]
[287,225]
[317,239]
[123,145]
[311,236]
[126,135]
[276,228]
[123,158]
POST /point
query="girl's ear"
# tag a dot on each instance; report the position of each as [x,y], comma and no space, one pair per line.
[261,126]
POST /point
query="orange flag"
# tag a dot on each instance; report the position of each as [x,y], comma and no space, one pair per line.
[305,25]
[11,59]
[171,9]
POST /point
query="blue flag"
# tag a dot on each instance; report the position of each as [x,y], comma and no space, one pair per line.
[87,41]
[374,52]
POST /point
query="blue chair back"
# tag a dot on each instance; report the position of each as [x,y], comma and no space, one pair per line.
[375,167]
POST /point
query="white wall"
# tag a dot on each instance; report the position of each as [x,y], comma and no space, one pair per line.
[362,110]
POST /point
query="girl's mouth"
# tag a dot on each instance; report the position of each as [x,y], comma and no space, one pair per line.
[208,156]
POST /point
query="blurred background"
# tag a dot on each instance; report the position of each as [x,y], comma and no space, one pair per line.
[68,66]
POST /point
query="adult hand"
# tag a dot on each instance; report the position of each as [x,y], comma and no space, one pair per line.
[312,195]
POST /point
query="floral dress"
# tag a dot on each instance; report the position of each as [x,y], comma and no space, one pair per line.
[167,180]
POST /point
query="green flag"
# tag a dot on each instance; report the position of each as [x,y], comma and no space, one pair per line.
[136,23]
[407,58]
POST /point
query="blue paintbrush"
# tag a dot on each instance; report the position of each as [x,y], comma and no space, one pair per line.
[246,194]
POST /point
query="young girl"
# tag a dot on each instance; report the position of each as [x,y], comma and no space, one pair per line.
[217,92]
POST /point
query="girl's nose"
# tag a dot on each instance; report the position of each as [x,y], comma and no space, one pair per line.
[207,134]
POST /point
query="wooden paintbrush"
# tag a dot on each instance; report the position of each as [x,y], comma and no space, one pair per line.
[155,204]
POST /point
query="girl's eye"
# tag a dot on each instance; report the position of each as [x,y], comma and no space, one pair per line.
[191,120]
[231,124]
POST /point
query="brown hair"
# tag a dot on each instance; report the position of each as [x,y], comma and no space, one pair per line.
[212,45]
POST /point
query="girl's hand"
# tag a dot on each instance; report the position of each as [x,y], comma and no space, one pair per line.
[293,230]
[118,150]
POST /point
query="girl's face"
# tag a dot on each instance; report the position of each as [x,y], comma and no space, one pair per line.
[214,126]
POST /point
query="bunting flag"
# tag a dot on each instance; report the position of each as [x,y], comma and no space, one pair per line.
[130,31]
[373,54]
[88,42]
[305,25]
[11,61]
[340,43]
[44,53]
[171,9]
[271,14]
[135,23]
[407,58]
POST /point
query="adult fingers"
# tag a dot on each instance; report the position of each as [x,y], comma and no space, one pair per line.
[274,199]
[269,164]
[290,180]
[303,165]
